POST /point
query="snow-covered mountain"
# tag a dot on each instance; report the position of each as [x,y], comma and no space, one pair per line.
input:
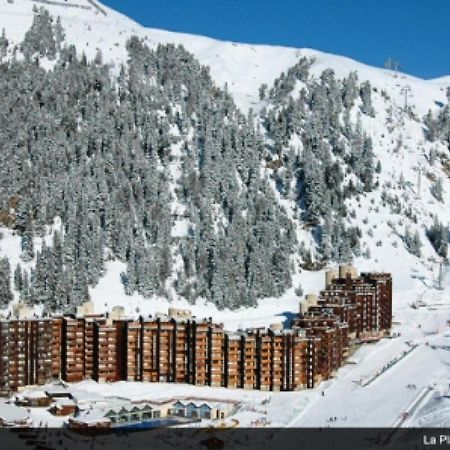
[91,25]
[398,140]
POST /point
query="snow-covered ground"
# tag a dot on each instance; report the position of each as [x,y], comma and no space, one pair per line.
[393,392]
[381,403]
[109,293]
[418,384]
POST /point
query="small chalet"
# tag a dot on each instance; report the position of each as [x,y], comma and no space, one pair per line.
[63,407]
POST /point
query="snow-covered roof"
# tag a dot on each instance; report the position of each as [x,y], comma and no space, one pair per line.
[31,395]
[100,413]
[58,392]
[127,407]
[80,395]
[90,416]
[202,403]
[198,404]
[63,401]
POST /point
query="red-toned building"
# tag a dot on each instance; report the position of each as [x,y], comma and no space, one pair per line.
[25,353]
[331,349]
[178,348]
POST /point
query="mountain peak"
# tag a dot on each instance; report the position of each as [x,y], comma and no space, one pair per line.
[243,67]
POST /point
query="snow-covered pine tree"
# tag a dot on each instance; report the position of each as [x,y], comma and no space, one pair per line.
[366,98]
[6,295]
[437,190]
[39,39]
[438,235]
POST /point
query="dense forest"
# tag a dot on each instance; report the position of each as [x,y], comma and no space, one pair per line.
[155,166]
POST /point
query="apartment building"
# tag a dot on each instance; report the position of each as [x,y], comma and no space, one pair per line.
[26,353]
[233,360]
[133,350]
[216,356]
[282,359]
[331,349]
[363,301]
[176,347]
[104,361]
[383,285]
[180,352]
[56,346]
[73,349]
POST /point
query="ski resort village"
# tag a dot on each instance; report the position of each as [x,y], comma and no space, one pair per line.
[180,349]
[206,234]
[91,370]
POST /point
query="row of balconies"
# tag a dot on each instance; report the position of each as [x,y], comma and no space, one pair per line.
[105,366]
[234,352]
[106,348]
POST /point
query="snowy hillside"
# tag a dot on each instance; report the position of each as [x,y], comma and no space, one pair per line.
[398,138]
[244,67]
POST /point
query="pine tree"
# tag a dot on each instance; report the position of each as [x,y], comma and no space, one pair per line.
[350,90]
[3,45]
[437,190]
[326,245]
[25,294]
[432,131]
[367,165]
[39,39]
[366,98]
[27,244]
[262,91]
[18,279]
[438,235]
[416,244]
[412,242]
[58,32]
[6,295]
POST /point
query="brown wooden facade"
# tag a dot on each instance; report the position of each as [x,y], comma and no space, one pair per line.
[25,353]
[178,348]
[364,302]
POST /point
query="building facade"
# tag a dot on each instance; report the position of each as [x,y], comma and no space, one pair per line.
[178,348]
[26,353]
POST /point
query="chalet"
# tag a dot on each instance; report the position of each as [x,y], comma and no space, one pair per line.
[63,407]
[34,399]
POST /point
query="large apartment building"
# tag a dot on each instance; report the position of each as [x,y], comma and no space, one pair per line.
[363,301]
[26,353]
[176,347]
[331,347]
